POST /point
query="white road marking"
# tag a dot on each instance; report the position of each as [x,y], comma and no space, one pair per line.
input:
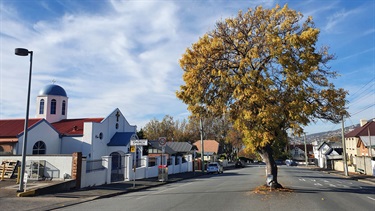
[318,184]
[371,198]
[161,191]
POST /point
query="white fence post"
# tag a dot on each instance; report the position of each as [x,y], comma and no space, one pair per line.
[107,163]
[83,173]
[129,170]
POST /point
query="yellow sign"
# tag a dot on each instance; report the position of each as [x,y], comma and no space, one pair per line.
[132,148]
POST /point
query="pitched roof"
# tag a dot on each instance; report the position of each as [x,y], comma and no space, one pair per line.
[366,140]
[73,126]
[210,146]
[120,139]
[155,145]
[362,131]
[14,127]
[309,147]
[180,146]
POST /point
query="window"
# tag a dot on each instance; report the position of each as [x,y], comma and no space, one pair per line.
[53,106]
[39,148]
[63,108]
[41,106]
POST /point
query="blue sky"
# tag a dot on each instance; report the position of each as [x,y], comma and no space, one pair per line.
[124,54]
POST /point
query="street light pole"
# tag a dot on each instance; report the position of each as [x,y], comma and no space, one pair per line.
[25,52]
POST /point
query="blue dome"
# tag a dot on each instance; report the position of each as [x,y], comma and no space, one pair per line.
[53,89]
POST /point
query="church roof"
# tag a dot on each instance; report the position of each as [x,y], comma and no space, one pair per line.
[73,126]
[52,89]
[14,127]
[120,139]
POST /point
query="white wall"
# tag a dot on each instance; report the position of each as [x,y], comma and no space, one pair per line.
[97,177]
[56,165]
[41,132]
[108,128]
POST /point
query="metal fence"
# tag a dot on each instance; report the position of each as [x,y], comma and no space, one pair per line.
[152,161]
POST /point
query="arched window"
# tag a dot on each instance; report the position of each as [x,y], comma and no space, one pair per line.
[39,148]
[53,106]
[41,106]
[63,108]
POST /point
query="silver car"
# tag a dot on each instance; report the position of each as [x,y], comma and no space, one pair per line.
[214,168]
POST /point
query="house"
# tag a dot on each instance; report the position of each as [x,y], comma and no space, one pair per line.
[297,151]
[359,151]
[170,149]
[365,143]
[326,153]
[210,149]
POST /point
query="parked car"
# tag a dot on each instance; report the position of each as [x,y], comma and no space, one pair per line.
[290,163]
[214,168]
[239,164]
[279,162]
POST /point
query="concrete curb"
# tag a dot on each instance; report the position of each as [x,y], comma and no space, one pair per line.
[55,188]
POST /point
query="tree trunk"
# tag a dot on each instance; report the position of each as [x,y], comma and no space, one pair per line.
[271,168]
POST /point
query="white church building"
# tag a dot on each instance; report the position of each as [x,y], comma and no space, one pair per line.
[104,143]
[52,133]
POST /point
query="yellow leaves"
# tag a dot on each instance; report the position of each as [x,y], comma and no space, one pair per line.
[262,68]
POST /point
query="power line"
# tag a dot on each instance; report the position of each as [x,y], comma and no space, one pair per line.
[364,109]
[371,80]
[359,93]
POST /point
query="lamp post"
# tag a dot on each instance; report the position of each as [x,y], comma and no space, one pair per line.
[25,52]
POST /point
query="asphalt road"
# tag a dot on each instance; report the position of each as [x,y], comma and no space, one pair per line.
[234,190]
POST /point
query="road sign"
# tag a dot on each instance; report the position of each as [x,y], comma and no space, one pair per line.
[132,148]
[140,142]
[162,141]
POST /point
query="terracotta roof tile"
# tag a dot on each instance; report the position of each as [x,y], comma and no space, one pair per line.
[14,127]
[73,126]
[209,146]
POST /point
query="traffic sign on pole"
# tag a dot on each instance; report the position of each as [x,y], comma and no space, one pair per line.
[162,141]
[140,142]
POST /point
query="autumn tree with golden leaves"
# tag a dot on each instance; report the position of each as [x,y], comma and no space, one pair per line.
[263,69]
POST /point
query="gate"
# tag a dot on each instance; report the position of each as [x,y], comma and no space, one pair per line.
[117,172]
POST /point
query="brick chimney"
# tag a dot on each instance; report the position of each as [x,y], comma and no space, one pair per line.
[362,122]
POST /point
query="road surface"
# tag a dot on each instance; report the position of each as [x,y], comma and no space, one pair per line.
[234,190]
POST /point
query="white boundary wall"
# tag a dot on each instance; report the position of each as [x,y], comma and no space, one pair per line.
[60,167]
[96,177]
[57,166]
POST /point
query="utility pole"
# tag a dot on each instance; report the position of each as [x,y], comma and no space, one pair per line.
[304,140]
[202,145]
[344,147]
[369,137]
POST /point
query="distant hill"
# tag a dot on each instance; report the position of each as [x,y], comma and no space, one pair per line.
[334,135]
